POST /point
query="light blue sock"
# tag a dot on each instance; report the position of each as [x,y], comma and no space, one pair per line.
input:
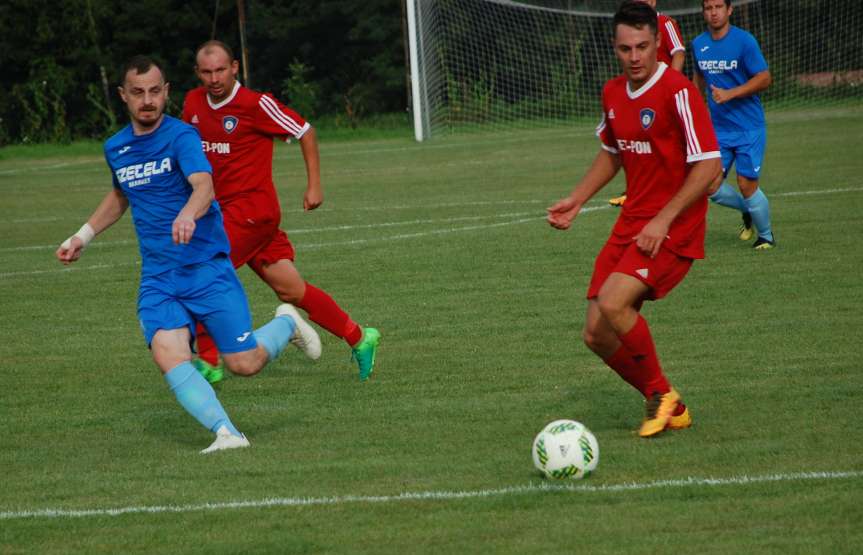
[759,208]
[728,196]
[196,395]
[275,334]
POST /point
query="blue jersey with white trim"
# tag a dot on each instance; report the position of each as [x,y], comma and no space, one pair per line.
[727,63]
[151,170]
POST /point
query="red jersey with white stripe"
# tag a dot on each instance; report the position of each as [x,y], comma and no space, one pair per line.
[658,131]
[672,40]
[237,136]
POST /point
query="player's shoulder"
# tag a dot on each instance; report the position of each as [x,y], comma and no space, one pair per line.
[662,19]
[614,86]
[119,138]
[197,95]
[701,38]
[676,80]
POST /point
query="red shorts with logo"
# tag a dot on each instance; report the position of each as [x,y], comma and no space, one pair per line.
[257,244]
[661,274]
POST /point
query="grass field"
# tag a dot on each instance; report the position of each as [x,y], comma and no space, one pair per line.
[443,247]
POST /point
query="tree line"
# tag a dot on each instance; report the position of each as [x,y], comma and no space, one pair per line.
[61,60]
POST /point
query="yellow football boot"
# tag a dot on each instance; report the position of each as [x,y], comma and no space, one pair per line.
[658,411]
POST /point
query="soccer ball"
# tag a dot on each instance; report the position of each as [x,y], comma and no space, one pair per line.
[565,449]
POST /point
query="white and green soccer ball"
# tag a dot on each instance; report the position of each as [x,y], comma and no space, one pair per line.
[565,449]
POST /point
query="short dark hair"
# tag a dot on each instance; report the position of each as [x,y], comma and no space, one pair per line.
[727,4]
[217,44]
[634,13]
[140,64]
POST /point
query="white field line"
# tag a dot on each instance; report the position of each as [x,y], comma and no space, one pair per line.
[315,246]
[442,495]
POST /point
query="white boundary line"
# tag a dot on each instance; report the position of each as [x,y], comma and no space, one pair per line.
[315,246]
[443,495]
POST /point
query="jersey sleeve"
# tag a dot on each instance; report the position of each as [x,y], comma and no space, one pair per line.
[672,37]
[604,131]
[190,155]
[695,124]
[274,118]
[753,59]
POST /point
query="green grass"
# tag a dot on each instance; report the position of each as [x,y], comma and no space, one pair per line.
[443,247]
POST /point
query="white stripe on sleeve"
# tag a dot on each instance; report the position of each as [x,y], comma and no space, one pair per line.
[676,42]
[693,147]
[283,120]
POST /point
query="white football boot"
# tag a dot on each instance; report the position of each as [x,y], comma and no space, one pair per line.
[305,337]
[226,440]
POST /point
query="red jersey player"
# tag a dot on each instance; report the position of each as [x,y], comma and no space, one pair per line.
[672,52]
[655,126]
[237,127]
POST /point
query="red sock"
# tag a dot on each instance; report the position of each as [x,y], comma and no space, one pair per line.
[207,350]
[324,311]
[626,367]
[640,343]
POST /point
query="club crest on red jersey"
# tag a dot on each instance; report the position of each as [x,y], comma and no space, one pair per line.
[229,123]
[647,115]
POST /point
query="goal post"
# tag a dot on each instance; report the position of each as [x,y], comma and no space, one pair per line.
[508,64]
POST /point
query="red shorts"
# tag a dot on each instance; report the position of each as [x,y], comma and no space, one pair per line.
[257,244]
[661,274]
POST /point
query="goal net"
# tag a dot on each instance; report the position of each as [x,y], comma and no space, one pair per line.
[517,64]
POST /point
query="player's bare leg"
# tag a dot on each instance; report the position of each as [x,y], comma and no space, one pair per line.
[286,281]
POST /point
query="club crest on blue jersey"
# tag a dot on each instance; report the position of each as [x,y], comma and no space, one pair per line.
[229,123]
[647,115]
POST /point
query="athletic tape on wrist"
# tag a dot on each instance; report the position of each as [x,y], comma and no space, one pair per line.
[85,234]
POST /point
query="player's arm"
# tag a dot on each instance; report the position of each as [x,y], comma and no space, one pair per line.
[111,209]
[758,82]
[697,182]
[314,195]
[603,169]
[198,204]
[698,81]
[678,59]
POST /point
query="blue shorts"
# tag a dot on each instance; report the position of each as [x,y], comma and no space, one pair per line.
[745,149]
[208,292]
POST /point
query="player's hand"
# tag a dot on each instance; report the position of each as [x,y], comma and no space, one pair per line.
[70,250]
[651,236]
[182,230]
[561,213]
[313,198]
[720,96]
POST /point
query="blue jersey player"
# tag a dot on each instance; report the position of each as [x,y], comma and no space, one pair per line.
[160,170]
[728,61]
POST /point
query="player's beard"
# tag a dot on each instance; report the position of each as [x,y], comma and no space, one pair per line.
[152,114]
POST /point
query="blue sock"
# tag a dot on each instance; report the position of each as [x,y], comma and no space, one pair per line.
[275,334]
[759,208]
[728,196]
[196,395]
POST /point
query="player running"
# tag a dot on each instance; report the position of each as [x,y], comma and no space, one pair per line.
[656,127]
[238,126]
[728,60]
[159,170]
[672,51]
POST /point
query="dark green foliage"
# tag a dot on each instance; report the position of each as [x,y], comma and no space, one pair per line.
[53,55]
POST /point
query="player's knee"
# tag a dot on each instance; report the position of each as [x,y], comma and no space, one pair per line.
[610,307]
[594,340]
[242,366]
[290,293]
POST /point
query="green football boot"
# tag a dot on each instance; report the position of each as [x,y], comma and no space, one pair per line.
[364,352]
[213,374]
